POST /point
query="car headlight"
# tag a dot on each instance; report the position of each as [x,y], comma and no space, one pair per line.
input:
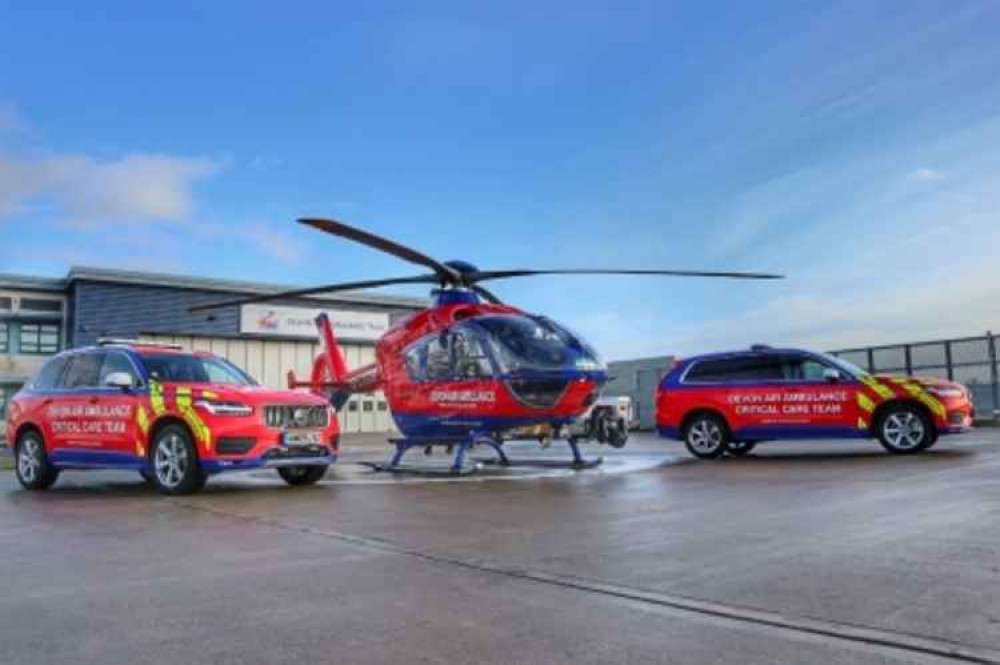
[225,408]
[947,392]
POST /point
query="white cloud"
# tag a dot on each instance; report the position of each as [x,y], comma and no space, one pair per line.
[961,302]
[925,175]
[273,244]
[134,188]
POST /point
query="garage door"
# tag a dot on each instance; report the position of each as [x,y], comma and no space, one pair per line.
[268,361]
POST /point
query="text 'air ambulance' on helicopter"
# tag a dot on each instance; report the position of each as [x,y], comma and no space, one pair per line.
[468,369]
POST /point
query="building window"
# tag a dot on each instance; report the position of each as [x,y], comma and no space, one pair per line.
[6,392]
[4,337]
[39,338]
[367,406]
[382,406]
[7,304]
[40,305]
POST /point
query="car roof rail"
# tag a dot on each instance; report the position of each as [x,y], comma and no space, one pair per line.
[761,347]
[112,341]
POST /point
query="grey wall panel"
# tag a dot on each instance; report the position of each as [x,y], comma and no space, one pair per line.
[109,309]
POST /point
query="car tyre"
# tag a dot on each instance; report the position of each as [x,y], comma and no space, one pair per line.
[176,467]
[302,475]
[32,466]
[706,436]
[740,448]
[905,430]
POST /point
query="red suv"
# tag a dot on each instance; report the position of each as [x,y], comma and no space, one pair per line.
[174,417]
[729,402]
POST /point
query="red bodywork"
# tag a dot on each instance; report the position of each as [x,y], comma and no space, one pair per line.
[795,409]
[445,407]
[97,426]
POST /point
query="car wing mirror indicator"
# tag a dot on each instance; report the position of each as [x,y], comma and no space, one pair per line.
[121,380]
[832,375]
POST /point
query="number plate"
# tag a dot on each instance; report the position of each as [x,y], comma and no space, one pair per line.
[301,438]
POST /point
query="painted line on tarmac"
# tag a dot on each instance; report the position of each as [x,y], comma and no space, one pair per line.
[832,630]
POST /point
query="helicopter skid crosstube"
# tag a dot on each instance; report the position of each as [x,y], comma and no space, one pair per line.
[462,446]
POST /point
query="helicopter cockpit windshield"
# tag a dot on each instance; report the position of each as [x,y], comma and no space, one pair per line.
[495,345]
[535,343]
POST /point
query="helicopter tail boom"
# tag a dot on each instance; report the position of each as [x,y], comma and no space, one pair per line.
[330,376]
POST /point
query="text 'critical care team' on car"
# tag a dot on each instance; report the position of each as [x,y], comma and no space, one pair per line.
[173,416]
[729,402]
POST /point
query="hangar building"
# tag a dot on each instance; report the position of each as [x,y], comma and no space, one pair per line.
[39,317]
[638,379]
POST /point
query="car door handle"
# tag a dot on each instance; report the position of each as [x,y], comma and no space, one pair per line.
[94,400]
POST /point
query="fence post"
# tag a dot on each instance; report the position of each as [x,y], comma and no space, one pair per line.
[948,360]
[871,360]
[909,359]
[993,372]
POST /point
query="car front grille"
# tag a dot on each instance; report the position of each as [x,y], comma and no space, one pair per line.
[291,416]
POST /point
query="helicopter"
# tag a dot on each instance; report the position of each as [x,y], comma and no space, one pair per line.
[469,369]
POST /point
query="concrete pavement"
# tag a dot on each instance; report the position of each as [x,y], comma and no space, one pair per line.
[800,553]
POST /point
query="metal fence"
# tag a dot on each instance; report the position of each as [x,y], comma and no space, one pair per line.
[972,361]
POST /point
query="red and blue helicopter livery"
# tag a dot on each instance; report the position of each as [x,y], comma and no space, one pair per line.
[468,369]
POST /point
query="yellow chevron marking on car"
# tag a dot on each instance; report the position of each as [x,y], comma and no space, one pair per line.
[191,417]
[142,419]
[931,402]
[156,397]
[865,403]
[885,392]
[208,394]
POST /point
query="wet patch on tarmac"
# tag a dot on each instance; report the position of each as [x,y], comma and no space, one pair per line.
[478,469]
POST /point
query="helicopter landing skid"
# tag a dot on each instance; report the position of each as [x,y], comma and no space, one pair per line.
[462,446]
[579,462]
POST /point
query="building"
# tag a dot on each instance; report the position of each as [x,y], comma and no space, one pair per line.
[39,317]
[638,379]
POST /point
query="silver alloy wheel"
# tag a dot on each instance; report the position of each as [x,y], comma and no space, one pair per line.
[705,436]
[29,460]
[171,461]
[904,430]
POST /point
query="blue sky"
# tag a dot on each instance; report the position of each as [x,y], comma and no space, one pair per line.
[854,146]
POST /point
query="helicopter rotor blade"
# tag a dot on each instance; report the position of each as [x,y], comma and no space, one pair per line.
[315,290]
[484,275]
[487,295]
[342,230]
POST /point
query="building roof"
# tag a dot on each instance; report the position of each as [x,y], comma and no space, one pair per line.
[32,283]
[114,275]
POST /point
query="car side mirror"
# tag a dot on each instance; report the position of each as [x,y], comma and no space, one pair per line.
[121,380]
[831,375]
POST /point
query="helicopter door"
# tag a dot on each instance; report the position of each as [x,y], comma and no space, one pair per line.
[457,377]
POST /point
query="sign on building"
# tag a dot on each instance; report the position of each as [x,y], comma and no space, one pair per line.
[301,322]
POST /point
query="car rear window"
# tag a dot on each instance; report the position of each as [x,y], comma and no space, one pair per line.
[735,369]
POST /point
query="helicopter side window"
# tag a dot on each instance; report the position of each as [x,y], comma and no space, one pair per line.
[438,359]
[414,360]
[471,361]
[450,356]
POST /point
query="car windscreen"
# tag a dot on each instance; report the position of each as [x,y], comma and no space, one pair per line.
[180,368]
